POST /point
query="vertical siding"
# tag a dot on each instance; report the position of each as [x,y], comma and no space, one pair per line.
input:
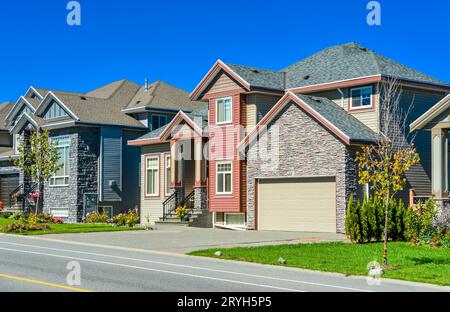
[152,208]
[111,144]
[419,177]
[130,176]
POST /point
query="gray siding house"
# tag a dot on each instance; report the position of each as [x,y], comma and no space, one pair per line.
[92,130]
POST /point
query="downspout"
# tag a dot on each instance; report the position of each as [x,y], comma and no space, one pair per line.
[342,96]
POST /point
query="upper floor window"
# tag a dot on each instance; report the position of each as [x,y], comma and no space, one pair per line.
[158,121]
[61,177]
[224,110]
[361,98]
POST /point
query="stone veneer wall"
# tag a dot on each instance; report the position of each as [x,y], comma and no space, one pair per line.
[306,149]
[83,155]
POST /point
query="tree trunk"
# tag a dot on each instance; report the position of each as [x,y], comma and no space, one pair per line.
[386,224]
[38,200]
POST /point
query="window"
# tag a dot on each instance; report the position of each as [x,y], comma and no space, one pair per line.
[234,219]
[224,110]
[61,177]
[168,173]
[152,176]
[106,209]
[158,121]
[224,174]
[361,98]
[59,212]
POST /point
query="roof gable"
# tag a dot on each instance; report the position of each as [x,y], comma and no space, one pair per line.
[326,112]
[432,116]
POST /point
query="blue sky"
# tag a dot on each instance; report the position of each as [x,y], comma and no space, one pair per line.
[178,41]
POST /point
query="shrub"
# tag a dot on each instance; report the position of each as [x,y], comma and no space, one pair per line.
[419,221]
[24,225]
[445,240]
[365,222]
[19,216]
[353,226]
[182,212]
[5,214]
[44,218]
[96,217]
[130,218]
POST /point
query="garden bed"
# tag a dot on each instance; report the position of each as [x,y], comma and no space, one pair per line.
[72,228]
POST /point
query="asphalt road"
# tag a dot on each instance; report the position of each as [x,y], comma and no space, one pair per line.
[33,264]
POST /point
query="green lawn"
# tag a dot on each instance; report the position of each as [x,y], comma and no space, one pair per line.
[413,263]
[73,228]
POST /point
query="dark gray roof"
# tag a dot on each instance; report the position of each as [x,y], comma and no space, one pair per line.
[198,116]
[337,63]
[349,61]
[5,108]
[162,95]
[354,129]
[260,78]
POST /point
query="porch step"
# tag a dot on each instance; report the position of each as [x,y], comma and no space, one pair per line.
[197,219]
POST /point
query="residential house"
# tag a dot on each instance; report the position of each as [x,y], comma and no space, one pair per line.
[306,120]
[99,170]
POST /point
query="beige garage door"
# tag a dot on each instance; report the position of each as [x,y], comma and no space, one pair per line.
[297,205]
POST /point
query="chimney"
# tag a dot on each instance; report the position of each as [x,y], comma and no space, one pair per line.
[146,85]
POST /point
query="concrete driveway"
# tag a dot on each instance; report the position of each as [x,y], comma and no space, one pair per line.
[179,239]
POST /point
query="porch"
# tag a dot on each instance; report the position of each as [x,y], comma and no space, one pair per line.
[188,179]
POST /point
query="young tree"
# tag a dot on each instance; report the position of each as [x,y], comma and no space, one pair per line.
[384,165]
[38,159]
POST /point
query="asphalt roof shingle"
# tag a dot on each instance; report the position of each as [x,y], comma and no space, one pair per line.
[348,124]
[336,63]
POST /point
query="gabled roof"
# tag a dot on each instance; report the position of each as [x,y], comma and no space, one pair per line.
[161,95]
[197,120]
[5,108]
[349,61]
[260,78]
[345,126]
[26,119]
[429,116]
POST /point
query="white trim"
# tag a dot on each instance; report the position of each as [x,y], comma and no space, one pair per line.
[22,100]
[224,172]
[158,176]
[50,126]
[45,102]
[66,164]
[431,113]
[212,73]
[31,88]
[332,82]
[167,165]
[231,111]
[21,122]
[172,124]
[362,106]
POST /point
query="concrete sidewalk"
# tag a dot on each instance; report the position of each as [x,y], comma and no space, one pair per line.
[178,239]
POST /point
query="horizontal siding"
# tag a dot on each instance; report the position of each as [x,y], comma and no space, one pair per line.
[222,145]
[152,208]
[368,117]
[222,84]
